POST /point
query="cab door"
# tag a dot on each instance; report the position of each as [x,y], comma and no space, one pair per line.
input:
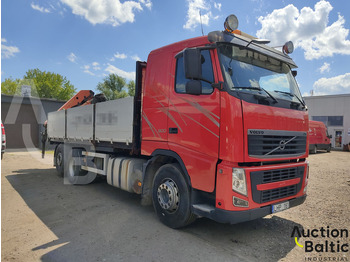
[194,123]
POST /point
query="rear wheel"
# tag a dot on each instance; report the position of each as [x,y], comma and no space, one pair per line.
[314,150]
[73,171]
[59,160]
[171,197]
[329,149]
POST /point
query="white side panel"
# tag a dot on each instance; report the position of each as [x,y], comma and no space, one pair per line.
[79,123]
[114,120]
[56,124]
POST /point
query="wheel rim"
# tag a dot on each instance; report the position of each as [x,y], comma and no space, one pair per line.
[59,159]
[168,195]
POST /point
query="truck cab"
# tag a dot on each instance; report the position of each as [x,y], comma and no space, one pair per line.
[229,109]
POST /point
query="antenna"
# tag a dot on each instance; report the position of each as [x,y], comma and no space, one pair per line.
[200,17]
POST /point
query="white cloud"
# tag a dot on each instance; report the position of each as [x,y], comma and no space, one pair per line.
[326,67]
[136,58]
[96,66]
[72,57]
[120,56]
[87,70]
[107,11]
[8,51]
[217,6]
[308,28]
[193,17]
[147,3]
[40,8]
[334,85]
[114,70]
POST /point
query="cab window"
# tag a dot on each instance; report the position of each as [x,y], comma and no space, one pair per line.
[207,73]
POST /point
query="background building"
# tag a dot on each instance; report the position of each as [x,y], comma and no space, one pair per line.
[23,118]
[334,111]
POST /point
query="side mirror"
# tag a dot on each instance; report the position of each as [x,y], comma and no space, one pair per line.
[192,63]
[294,73]
[194,87]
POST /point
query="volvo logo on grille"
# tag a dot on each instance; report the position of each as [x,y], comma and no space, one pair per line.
[282,144]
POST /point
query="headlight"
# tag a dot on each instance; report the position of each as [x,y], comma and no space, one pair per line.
[238,181]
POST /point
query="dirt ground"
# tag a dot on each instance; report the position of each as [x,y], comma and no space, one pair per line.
[44,220]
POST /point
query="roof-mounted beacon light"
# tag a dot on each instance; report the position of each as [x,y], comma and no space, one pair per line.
[288,48]
[231,23]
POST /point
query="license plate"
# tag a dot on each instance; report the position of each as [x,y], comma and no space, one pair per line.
[280,207]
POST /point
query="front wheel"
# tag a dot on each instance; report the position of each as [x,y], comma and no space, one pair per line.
[171,197]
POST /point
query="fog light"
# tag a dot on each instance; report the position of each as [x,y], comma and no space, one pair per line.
[238,181]
[237,202]
[288,47]
[231,23]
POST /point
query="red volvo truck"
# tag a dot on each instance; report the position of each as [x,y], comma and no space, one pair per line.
[217,129]
[318,137]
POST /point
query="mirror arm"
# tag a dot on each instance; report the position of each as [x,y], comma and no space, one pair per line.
[219,85]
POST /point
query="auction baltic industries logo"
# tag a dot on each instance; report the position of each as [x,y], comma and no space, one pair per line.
[326,242]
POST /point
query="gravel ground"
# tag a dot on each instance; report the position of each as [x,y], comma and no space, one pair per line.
[45,220]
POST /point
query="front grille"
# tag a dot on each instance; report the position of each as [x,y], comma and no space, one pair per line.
[275,175]
[278,193]
[279,175]
[274,143]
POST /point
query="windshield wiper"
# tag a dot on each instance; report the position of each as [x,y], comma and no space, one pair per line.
[292,95]
[260,89]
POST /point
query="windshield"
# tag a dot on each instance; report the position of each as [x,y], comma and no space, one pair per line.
[249,71]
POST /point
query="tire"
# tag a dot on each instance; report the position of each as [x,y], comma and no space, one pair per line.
[314,150]
[329,149]
[59,160]
[73,172]
[172,197]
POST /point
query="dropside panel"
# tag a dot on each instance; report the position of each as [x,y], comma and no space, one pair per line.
[56,128]
[80,123]
[114,120]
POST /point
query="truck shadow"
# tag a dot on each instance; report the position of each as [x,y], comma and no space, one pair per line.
[98,222]
[263,239]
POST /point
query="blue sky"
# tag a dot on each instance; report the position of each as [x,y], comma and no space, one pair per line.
[85,40]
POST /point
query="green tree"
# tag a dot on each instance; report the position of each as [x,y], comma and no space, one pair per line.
[10,87]
[43,84]
[50,85]
[131,88]
[113,87]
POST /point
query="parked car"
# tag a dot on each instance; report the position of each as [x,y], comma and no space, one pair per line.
[3,140]
[318,137]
